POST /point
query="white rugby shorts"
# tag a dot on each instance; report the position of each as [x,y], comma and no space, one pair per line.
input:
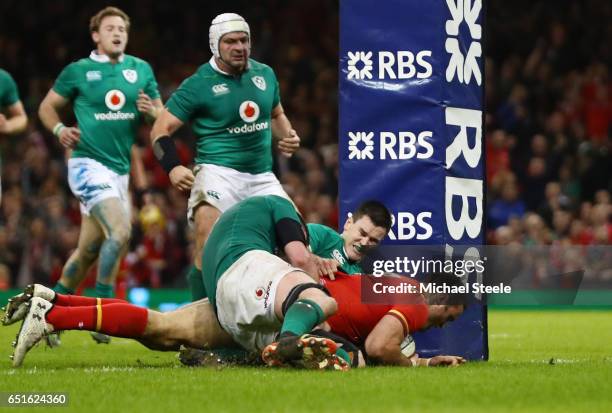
[245,298]
[92,182]
[223,187]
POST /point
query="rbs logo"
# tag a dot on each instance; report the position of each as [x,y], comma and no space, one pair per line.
[402,64]
[391,145]
[408,226]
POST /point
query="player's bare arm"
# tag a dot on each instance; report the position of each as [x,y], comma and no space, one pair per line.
[16,121]
[288,139]
[48,112]
[383,345]
[164,148]
[299,256]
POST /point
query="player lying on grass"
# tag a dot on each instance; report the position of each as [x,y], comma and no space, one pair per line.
[256,295]
[253,292]
[378,329]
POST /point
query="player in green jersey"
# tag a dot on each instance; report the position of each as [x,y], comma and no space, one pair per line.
[363,230]
[234,107]
[13,118]
[112,93]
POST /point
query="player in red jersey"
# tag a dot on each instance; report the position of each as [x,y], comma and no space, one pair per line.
[379,322]
[378,328]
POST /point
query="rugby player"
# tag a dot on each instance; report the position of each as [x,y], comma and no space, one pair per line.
[363,230]
[378,329]
[233,104]
[256,297]
[112,93]
[17,120]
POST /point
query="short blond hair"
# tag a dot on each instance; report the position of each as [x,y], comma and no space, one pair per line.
[96,20]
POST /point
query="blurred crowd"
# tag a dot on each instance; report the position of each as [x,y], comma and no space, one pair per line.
[548,123]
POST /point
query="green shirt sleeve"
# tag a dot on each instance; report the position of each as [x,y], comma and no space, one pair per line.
[276,100]
[281,208]
[8,90]
[184,101]
[151,88]
[322,238]
[66,83]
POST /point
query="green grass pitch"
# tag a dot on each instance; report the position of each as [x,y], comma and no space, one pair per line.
[124,376]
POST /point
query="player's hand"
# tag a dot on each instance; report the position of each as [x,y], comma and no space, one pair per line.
[69,137]
[326,267]
[289,144]
[145,104]
[182,178]
[2,123]
[452,361]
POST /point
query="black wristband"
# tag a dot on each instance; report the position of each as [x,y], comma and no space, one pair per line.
[165,152]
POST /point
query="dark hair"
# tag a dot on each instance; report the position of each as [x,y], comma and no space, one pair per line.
[376,211]
[94,23]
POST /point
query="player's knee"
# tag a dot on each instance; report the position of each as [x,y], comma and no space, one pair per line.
[121,235]
[328,304]
[313,292]
[204,218]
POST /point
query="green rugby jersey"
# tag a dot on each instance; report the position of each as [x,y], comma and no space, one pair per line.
[8,90]
[231,115]
[249,225]
[327,243]
[104,98]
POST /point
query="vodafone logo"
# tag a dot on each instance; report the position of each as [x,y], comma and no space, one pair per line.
[114,99]
[249,111]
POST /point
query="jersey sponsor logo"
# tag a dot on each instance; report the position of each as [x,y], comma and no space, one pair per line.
[255,127]
[338,257]
[249,111]
[115,100]
[259,293]
[267,295]
[259,81]
[130,75]
[93,75]
[220,89]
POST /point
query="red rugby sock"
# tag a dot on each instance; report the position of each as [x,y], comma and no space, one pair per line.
[79,301]
[115,319]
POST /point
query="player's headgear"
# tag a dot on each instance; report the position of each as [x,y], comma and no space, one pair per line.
[223,24]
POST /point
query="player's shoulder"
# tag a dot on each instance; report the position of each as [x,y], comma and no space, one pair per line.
[203,74]
[260,68]
[321,229]
[82,64]
[136,61]
[4,74]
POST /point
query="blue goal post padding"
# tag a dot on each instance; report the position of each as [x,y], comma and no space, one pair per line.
[411,133]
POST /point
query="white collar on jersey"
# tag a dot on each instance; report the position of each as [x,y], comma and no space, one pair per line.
[102,58]
[216,67]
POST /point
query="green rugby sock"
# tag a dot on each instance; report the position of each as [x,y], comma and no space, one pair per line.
[196,284]
[301,317]
[59,288]
[104,290]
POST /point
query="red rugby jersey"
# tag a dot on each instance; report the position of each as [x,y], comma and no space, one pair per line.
[355,319]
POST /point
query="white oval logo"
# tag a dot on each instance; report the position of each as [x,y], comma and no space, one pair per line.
[249,111]
[114,99]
